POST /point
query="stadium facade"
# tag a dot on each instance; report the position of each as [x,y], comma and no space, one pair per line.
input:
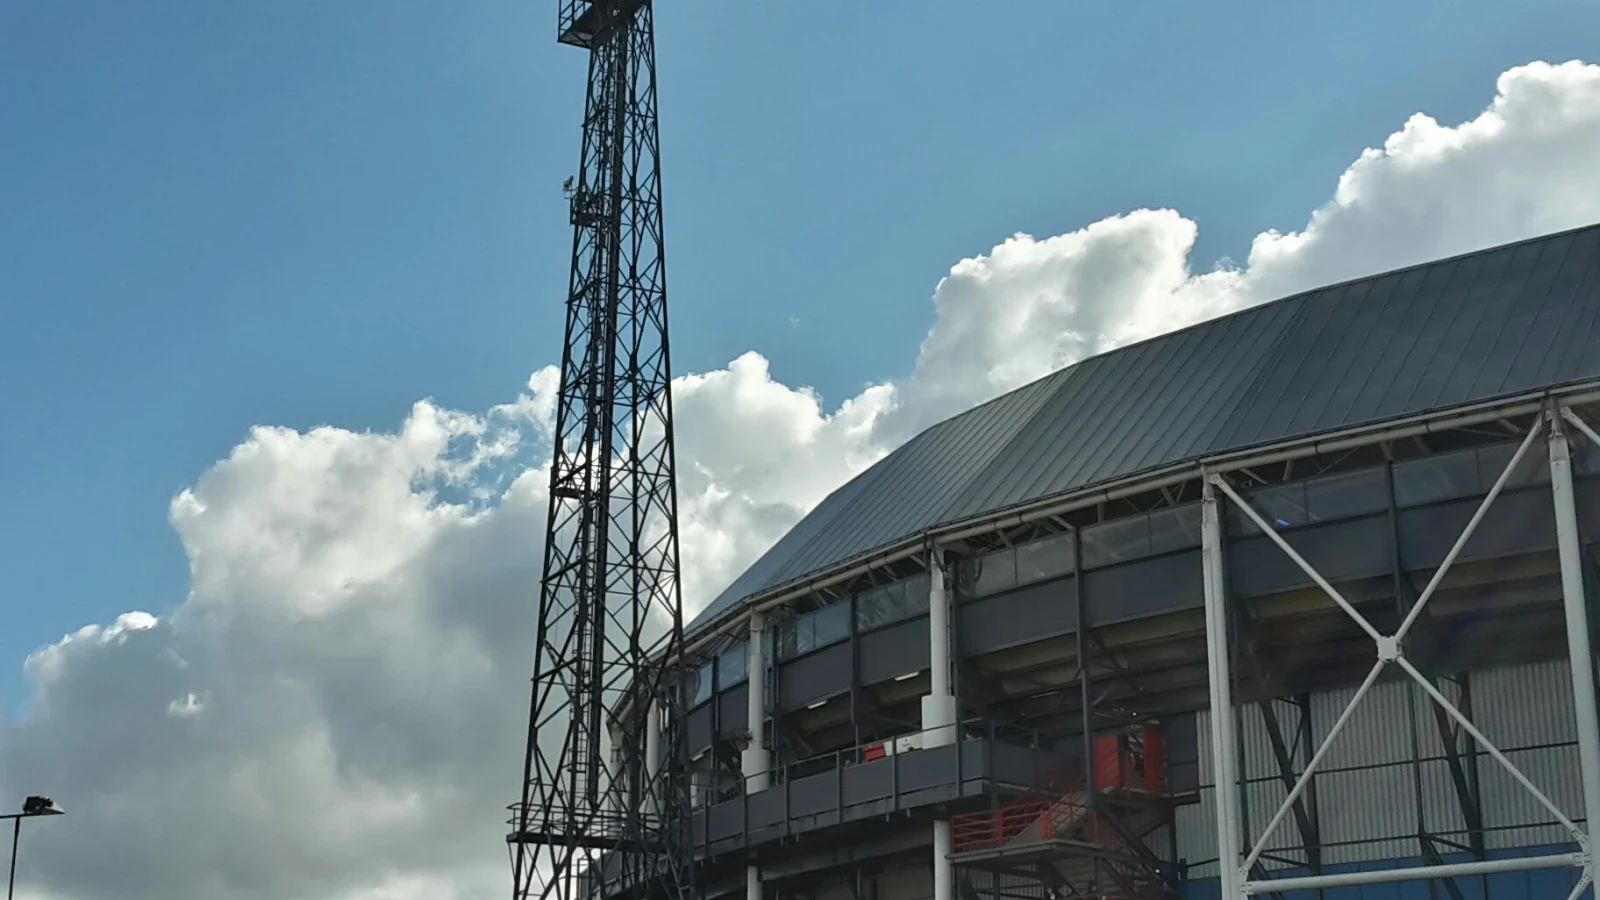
[987,667]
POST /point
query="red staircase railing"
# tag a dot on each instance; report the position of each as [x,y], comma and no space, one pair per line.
[1050,812]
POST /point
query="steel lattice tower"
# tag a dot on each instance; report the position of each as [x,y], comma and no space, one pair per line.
[605,798]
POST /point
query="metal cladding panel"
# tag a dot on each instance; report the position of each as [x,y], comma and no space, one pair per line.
[1509,807]
[733,708]
[896,650]
[1197,833]
[1033,613]
[1147,587]
[1472,328]
[1525,706]
[1367,814]
[1376,733]
[813,677]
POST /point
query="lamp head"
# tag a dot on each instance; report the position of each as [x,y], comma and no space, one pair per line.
[41,806]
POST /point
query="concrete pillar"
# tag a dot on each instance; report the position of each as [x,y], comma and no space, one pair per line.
[939,705]
[756,762]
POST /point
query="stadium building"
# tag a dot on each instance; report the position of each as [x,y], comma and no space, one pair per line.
[987,667]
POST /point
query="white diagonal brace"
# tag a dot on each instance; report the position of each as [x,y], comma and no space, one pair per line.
[1581,425]
[1299,560]
[1469,728]
[1472,526]
[1311,767]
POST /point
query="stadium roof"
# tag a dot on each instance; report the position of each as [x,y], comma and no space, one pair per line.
[1464,330]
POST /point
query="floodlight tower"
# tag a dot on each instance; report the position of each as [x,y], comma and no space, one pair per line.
[605,797]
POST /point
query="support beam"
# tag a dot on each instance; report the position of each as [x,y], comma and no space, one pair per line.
[1390,651]
[939,712]
[1385,876]
[1579,652]
[756,761]
[943,872]
[652,757]
[939,704]
[1223,751]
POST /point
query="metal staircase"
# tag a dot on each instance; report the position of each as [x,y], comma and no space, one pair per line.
[1068,843]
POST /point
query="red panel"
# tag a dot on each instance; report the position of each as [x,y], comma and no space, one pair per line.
[1155,760]
[1109,769]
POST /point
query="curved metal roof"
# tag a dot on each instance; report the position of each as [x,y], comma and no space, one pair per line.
[1472,328]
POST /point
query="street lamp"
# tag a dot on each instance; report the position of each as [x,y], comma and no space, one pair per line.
[31,807]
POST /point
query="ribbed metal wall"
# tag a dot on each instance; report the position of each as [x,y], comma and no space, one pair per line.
[1367,785]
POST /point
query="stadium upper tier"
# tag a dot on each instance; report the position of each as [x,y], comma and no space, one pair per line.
[1479,327]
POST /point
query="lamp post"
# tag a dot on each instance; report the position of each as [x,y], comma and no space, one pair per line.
[31,807]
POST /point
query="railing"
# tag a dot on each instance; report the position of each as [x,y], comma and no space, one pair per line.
[732,786]
[1023,820]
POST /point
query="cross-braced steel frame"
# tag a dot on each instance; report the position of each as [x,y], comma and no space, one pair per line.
[604,804]
[1240,876]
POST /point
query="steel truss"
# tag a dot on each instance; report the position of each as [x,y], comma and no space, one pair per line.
[605,794]
[1239,875]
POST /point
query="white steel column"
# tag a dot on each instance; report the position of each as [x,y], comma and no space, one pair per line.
[944,881]
[1389,652]
[652,759]
[939,713]
[1224,758]
[755,763]
[1578,650]
[939,704]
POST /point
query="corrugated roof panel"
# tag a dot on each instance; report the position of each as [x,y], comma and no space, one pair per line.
[1528,302]
[1472,312]
[1456,331]
[1507,308]
[1376,359]
[1240,351]
[886,498]
[926,474]
[1581,357]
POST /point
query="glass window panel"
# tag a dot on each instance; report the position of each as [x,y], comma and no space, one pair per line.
[787,639]
[702,685]
[874,609]
[831,624]
[1347,494]
[1175,529]
[997,572]
[1116,541]
[916,590]
[805,633]
[1534,468]
[1434,478]
[1585,455]
[733,666]
[1045,558]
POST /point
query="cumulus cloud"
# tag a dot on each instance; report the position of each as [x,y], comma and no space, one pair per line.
[336,710]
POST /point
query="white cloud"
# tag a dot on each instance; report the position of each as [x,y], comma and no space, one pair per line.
[337,708]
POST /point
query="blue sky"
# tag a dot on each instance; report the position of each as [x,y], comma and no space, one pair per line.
[218,215]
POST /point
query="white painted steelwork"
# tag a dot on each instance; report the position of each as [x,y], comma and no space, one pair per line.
[1234,872]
